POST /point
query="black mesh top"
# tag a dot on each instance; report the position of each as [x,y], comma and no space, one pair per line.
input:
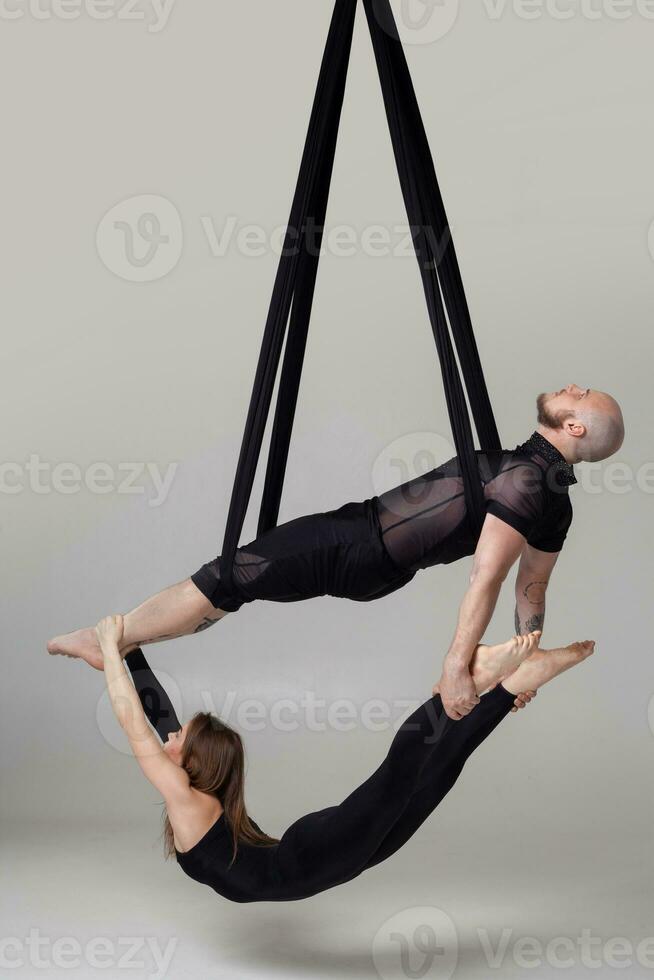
[423,522]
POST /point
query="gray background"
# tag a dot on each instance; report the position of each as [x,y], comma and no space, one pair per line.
[541,133]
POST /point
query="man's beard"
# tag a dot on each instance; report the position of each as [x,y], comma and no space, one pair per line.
[547,418]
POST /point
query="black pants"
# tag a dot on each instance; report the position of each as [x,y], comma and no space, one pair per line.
[338,553]
[424,762]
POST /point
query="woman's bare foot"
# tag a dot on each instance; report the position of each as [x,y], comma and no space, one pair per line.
[80,645]
[544,665]
[491,664]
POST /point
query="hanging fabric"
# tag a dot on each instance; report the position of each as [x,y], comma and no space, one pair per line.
[290,308]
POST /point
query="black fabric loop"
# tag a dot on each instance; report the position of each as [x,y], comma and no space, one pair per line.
[292,299]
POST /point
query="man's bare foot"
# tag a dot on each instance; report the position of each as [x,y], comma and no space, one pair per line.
[544,665]
[492,664]
[80,645]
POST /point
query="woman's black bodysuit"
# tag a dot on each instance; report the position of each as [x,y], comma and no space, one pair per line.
[335,845]
[364,551]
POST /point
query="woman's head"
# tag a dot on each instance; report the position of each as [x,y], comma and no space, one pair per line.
[213,756]
[173,747]
[210,752]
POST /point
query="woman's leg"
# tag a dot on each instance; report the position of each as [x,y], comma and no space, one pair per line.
[467,735]
[442,772]
[334,845]
[326,848]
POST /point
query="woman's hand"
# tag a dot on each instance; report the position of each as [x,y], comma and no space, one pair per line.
[109,632]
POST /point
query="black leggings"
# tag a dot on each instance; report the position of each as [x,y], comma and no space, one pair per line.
[335,845]
[425,760]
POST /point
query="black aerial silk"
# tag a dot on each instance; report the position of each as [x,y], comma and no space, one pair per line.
[290,308]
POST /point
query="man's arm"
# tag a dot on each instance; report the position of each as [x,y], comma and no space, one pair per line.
[531,584]
[499,547]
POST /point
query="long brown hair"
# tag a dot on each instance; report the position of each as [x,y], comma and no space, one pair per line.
[214,759]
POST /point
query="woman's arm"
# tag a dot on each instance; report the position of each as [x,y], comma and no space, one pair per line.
[171,780]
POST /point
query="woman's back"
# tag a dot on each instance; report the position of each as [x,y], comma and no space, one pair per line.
[251,876]
[190,820]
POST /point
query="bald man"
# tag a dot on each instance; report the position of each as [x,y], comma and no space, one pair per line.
[367,550]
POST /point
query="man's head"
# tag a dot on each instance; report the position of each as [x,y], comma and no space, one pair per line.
[582,423]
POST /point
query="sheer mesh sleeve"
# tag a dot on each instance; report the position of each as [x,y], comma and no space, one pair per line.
[517,496]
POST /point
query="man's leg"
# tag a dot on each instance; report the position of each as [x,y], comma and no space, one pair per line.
[336,553]
[180,610]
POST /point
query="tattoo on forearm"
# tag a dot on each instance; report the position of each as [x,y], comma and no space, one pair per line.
[534,593]
[535,622]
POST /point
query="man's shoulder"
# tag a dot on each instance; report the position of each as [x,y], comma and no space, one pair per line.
[499,463]
[555,476]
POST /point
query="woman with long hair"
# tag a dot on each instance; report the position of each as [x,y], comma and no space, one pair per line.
[199,771]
